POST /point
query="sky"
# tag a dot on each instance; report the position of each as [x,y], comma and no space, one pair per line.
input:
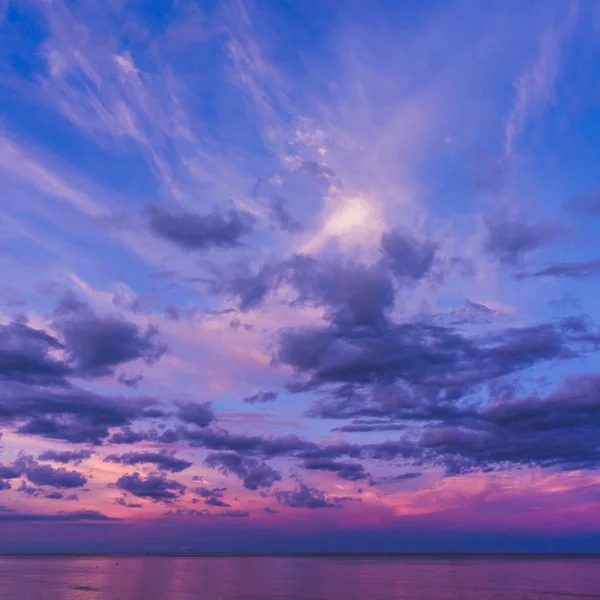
[288,276]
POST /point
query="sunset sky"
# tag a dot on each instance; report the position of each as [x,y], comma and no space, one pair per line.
[292,275]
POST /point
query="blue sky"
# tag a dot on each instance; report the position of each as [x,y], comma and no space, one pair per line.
[338,258]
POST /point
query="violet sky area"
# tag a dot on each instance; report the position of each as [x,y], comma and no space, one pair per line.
[288,276]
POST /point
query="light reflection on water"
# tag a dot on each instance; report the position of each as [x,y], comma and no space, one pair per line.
[298,578]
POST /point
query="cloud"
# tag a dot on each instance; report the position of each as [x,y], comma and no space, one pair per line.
[395,478]
[26,356]
[41,493]
[192,512]
[306,497]
[510,237]
[352,293]
[282,217]
[348,290]
[507,430]
[407,258]
[74,415]
[131,382]
[250,289]
[60,478]
[359,426]
[253,473]
[355,326]
[65,456]
[92,345]
[570,269]
[261,397]
[96,344]
[163,460]
[77,515]
[212,497]
[199,414]
[431,357]
[536,86]
[344,470]
[155,487]
[42,474]
[122,501]
[220,439]
[126,435]
[11,471]
[200,232]
[587,203]
[234,514]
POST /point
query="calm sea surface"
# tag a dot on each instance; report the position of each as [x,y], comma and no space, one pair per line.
[287,578]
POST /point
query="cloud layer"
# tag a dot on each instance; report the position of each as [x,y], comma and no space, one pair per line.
[251,283]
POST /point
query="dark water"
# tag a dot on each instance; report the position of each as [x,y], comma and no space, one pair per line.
[302,578]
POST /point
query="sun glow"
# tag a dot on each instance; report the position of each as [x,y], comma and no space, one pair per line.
[353,220]
[354,213]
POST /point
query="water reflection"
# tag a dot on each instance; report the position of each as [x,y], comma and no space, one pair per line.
[298,578]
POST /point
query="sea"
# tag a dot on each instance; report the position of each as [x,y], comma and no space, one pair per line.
[406,577]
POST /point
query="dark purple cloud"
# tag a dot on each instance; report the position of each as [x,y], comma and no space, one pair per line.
[131,382]
[555,430]
[395,478]
[220,439]
[96,344]
[11,471]
[200,232]
[25,356]
[44,475]
[59,478]
[122,501]
[155,487]
[233,514]
[40,399]
[433,358]
[72,414]
[510,237]
[249,288]
[253,473]
[306,497]
[407,257]
[126,435]
[77,515]
[352,293]
[261,397]
[344,470]
[199,414]
[570,269]
[65,456]
[34,492]
[164,460]
[212,497]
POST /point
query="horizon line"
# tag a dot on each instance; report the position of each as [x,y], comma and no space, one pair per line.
[300,554]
